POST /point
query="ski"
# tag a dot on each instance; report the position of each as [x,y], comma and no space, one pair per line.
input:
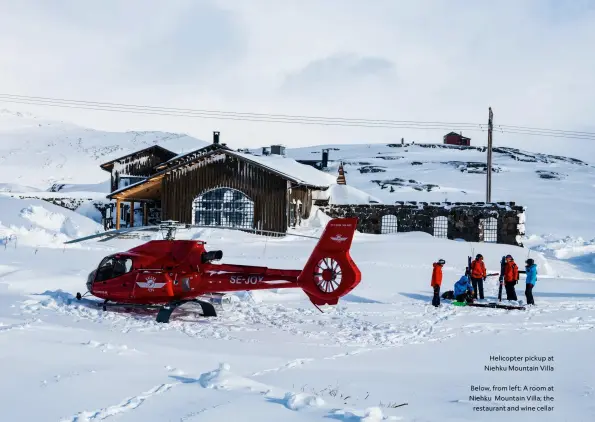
[501,280]
[497,305]
[489,305]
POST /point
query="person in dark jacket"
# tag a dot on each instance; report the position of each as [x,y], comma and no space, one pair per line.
[463,290]
[511,277]
[437,281]
[478,275]
[531,272]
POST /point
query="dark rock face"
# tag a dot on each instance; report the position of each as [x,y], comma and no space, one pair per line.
[514,153]
[390,157]
[552,175]
[356,163]
[464,220]
[372,169]
[472,167]
[416,163]
[405,183]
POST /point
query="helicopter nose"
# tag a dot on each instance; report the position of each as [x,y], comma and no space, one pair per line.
[90,280]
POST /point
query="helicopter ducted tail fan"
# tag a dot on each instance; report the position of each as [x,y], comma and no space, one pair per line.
[330,273]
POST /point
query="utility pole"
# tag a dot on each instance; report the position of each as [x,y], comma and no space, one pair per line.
[489,166]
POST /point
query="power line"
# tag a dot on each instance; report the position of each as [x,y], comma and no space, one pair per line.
[284,118]
[231,113]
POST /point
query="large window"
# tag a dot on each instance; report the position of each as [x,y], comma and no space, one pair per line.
[389,224]
[223,207]
[112,267]
[440,226]
[488,230]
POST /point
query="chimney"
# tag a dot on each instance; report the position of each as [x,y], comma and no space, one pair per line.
[324,163]
[341,178]
[277,150]
[215,137]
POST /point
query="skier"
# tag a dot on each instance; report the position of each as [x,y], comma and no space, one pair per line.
[478,275]
[437,281]
[531,271]
[511,277]
[463,290]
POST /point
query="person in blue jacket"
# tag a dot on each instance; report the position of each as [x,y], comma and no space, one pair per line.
[463,290]
[531,273]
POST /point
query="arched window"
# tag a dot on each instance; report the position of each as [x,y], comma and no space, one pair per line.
[440,227]
[223,207]
[389,224]
[488,230]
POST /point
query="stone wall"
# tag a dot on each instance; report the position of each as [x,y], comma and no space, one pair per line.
[464,219]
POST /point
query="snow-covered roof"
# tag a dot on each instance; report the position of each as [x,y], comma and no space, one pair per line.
[287,168]
[130,186]
[191,155]
[290,169]
[165,150]
[346,195]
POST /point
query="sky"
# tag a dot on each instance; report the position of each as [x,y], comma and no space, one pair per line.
[441,60]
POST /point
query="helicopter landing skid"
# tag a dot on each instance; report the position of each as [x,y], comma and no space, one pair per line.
[208,310]
[165,311]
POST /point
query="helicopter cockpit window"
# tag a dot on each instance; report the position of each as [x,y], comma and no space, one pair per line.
[112,267]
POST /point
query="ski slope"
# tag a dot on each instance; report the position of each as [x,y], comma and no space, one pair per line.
[271,355]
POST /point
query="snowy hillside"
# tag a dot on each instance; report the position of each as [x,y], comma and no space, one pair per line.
[558,191]
[38,153]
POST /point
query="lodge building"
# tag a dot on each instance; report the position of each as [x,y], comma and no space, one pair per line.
[215,185]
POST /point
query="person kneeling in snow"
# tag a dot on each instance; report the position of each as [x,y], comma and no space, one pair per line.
[531,272]
[463,290]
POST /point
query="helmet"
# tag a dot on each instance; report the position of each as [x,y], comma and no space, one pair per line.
[479,256]
[530,262]
[441,261]
[509,257]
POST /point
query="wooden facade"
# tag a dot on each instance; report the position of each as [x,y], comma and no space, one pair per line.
[139,165]
[300,204]
[277,201]
[267,191]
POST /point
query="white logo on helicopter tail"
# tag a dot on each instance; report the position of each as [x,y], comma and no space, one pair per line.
[339,238]
[150,284]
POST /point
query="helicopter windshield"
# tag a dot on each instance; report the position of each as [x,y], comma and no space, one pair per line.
[112,267]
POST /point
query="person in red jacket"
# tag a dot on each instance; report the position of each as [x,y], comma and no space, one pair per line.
[437,281]
[478,275]
[511,277]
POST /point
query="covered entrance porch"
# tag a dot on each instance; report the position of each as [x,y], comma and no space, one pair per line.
[127,212]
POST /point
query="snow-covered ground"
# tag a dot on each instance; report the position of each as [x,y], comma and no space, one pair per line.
[271,355]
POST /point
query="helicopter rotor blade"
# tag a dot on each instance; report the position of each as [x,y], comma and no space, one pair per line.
[112,233]
[243,229]
[131,230]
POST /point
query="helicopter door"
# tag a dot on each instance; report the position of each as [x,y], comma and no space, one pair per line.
[152,285]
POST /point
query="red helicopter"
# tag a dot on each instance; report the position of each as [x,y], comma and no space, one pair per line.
[165,274]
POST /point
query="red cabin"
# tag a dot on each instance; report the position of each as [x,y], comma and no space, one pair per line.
[453,138]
